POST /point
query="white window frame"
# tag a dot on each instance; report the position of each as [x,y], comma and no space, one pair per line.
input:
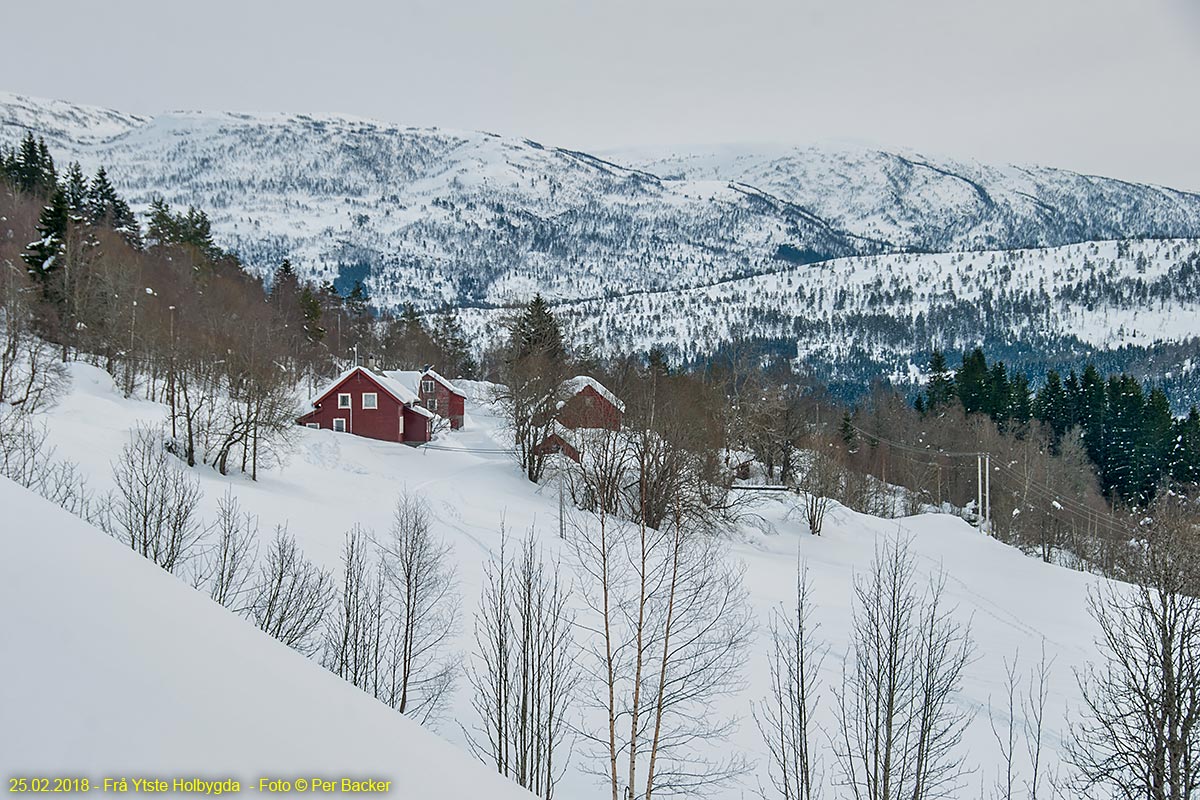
[374,404]
[428,386]
[431,404]
[345,400]
[342,422]
[316,425]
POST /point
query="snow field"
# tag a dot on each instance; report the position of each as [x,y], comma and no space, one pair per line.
[216,695]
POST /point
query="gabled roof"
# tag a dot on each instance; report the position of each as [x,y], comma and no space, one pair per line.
[580,382]
[412,377]
[443,382]
[396,389]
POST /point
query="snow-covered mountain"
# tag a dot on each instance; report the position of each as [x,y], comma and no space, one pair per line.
[823,253]
[428,215]
[920,202]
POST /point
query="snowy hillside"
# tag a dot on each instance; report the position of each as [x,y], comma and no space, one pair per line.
[127,656]
[429,215]
[916,201]
[863,316]
[116,669]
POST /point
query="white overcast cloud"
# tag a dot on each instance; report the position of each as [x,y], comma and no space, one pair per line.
[1103,86]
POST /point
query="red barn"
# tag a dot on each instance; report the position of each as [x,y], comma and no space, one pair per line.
[590,405]
[435,393]
[366,404]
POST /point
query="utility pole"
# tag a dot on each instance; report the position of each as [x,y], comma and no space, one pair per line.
[979,490]
[987,491]
[562,514]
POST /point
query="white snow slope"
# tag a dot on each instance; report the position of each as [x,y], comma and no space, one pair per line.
[119,667]
[113,668]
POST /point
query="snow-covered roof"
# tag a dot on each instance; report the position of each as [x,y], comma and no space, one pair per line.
[412,377]
[422,410]
[580,382]
[395,388]
[431,373]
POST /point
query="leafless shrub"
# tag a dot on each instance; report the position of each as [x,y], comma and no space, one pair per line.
[819,478]
[153,508]
[229,561]
[291,595]
[31,374]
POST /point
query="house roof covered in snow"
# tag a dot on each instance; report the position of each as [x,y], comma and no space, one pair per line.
[580,382]
[412,377]
[401,393]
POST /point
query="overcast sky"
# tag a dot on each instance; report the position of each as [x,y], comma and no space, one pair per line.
[1103,86]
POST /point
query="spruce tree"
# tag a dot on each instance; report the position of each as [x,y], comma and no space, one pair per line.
[34,167]
[972,382]
[162,227]
[1020,403]
[940,391]
[998,404]
[456,353]
[1185,454]
[76,189]
[108,209]
[1091,413]
[358,299]
[847,432]
[657,362]
[43,255]
[49,175]
[310,309]
[536,332]
[1157,440]
[1052,407]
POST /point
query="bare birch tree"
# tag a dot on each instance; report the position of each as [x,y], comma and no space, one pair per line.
[818,481]
[670,625]
[899,727]
[786,717]
[525,672]
[359,637]
[419,581]
[1139,736]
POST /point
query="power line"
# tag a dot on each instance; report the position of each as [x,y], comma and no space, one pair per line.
[1066,504]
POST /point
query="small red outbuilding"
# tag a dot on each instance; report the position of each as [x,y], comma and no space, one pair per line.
[590,405]
[435,393]
[366,404]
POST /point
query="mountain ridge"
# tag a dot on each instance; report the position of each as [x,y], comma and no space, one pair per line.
[433,216]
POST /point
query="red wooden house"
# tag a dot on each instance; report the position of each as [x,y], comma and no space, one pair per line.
[435,393]
[366,404]
[590,405]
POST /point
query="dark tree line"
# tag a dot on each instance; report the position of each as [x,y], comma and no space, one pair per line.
[1128,430]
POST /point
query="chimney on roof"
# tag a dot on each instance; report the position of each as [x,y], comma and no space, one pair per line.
[426,368]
